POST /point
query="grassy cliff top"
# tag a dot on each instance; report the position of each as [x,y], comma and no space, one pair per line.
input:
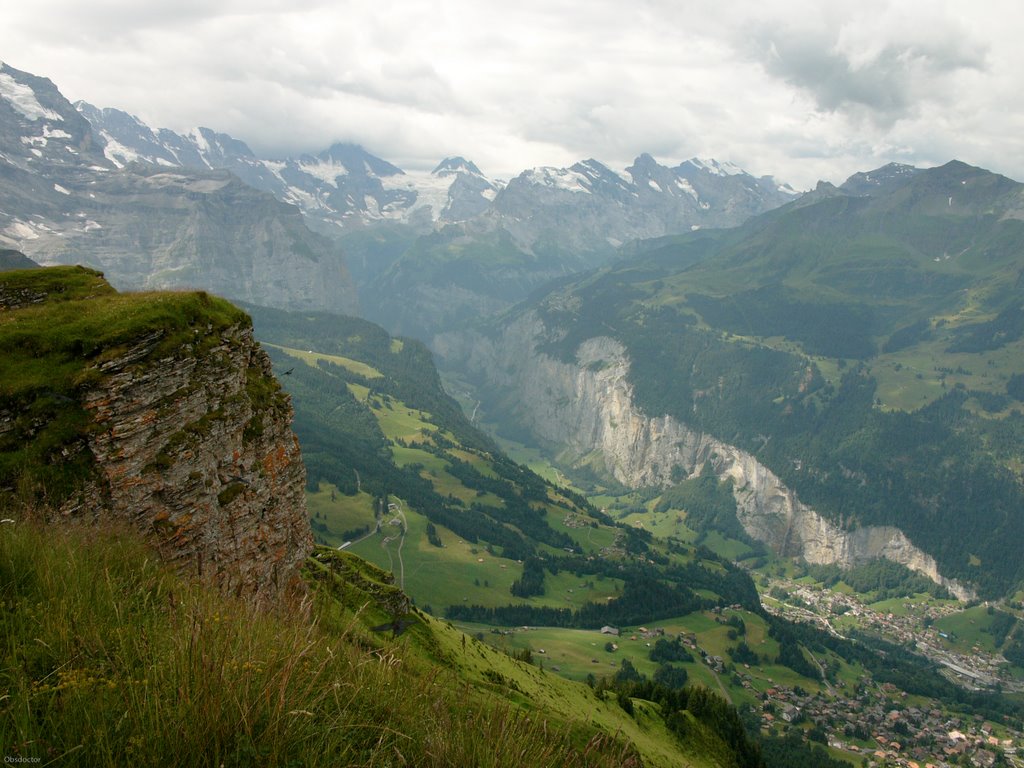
[58,326]
[71,319]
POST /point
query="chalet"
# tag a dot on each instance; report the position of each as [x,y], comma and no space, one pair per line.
[606,630]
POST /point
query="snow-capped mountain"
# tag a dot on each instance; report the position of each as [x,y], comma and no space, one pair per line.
[588,207]
[71,196]
[450,237]
[342,187]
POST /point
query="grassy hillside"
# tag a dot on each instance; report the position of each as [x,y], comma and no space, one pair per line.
[109,658]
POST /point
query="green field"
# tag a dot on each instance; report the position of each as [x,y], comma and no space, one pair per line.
[311,357]
[966,630]
[577,653]
[337,513]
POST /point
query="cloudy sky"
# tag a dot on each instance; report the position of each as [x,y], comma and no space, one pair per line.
[803,89]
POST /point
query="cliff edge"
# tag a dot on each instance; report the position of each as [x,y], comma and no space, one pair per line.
[155,410]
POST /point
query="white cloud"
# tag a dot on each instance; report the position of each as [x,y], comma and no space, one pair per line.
[799,89]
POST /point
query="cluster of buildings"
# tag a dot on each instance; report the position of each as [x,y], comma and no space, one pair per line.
[976,670]
[878,726]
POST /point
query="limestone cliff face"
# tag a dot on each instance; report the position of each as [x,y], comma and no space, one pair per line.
[587,410]
[196,451]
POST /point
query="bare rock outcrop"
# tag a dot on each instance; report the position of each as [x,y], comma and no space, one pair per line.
[197,451]
[179,431]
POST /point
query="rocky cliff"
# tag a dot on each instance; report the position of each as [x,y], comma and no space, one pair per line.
[171,423]
[587,412]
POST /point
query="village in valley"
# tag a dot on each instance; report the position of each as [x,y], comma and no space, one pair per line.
[880,722]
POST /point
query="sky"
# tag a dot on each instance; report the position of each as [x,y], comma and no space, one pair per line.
[802,90]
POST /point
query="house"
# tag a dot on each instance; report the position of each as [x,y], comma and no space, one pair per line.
[606,630]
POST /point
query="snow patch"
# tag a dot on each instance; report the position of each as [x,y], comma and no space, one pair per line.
[431,190]
[558,178]
[275,167]
[301,198]
[654,185]
[326,172]
[55,133]
[35,141]
[489,194]
[21,230]
[24,100]
[116,152]
[687,187]
[197,138]
[714,167]
[61,189]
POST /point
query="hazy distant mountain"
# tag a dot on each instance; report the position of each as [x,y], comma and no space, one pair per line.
[587,207]
[590,209]
[144,217]
[10,259]
[431,249]
[342,187]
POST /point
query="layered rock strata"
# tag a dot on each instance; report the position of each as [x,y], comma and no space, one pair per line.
[196,451]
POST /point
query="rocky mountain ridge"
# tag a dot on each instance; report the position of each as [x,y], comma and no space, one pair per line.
[345,186]
[587,411]
[62,201]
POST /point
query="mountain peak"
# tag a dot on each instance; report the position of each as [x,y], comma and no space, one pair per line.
[358,161]
[644,162]
[713,167]
[453,165]
[879,180]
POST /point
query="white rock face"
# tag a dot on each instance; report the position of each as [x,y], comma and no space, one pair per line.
[588,409]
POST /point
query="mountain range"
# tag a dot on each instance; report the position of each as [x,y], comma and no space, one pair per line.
[345,221]
[345,186]
[63,201]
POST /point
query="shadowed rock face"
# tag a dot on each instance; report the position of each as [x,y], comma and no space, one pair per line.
[587,411]
[197,452]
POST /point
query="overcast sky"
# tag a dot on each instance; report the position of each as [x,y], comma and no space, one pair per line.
[801,90]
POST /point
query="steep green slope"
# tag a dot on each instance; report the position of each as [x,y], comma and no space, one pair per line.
[109,658]
[868,350]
